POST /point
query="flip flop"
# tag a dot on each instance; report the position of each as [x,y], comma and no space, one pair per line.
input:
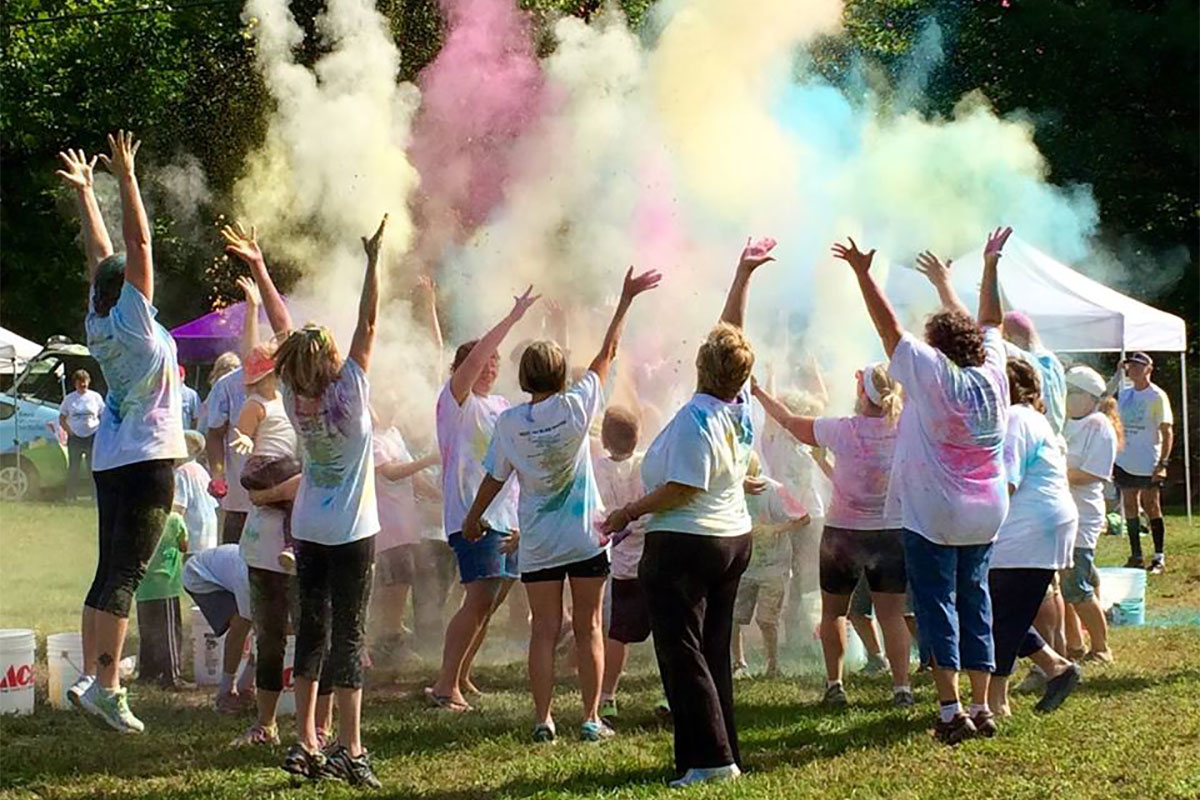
[444,702]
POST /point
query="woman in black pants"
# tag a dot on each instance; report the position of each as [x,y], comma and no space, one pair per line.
[698,539]
[1036,540]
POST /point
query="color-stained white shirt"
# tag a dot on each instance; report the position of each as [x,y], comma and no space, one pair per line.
[1142,414]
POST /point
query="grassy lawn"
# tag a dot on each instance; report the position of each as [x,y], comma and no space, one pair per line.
[1132,731]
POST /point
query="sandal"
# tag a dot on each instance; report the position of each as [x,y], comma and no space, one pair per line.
[444,702]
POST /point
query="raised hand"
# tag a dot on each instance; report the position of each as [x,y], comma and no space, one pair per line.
[756,253]
[523,303]
[996,241]
[250,289]
[124,148]
[426,285]
[373,245]
[859,261]
[241,244]
[637,284]
[933,268]
[78,172]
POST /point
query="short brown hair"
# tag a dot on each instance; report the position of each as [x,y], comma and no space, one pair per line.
[620,430]
[81,375]
[957,336]
[543,368]
[1024,384]
[460,355]
[724,362]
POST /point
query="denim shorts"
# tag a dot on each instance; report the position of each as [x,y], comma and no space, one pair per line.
[483,559]
[1079,580]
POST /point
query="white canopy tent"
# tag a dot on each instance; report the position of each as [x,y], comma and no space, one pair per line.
[1074,313]
[15,350]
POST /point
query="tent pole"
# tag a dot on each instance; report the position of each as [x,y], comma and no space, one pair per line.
[1187,431]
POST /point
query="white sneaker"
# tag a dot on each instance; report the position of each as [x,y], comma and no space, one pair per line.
[75,693]
[112,706]
[706,775]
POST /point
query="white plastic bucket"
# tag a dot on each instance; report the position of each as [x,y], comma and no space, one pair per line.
[1123,595]
[287,698]
[208,651]
[18,648]
[64,658]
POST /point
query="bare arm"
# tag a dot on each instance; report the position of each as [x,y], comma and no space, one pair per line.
[277,494]
[754,255]
[469,370]
[244,246]
[1078,477]
[250,321]
[990,314]
[668,496]
[368,304]
[401,470]
[251,416]
[427,286]
[880,310]
[78,174]
[796,425]
[472,525]
[632,287]
[135,225]
[938,273]
[1168,442]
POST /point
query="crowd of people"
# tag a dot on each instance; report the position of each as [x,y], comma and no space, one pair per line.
[959,505]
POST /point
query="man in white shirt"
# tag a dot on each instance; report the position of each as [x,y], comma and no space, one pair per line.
[79,416]
[1142,465]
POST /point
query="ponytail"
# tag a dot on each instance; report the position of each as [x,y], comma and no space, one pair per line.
[1108,407]
[891,394]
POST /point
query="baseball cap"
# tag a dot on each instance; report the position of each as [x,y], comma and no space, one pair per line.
[1087,380]
[1139,358]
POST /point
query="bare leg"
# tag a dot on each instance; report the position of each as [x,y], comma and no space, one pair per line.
[1073,630]
[349,718]
[109,632]
[545,600]
[890,610]
[325,712]
[998,696]
[235,644]
[833,633]
[587,620]
[946,681]
[865,628]
[1052,663]
[267,703]
[739,646]
[770,634]
[466,624]
[465,681]
[615,655]
[979,685]
[1094,623]
[306,713]
[87,631]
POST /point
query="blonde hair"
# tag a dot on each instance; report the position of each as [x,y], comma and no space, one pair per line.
[1108,407]
[891,393]
[724,362]
[225,364]
[308,361]
[543,368]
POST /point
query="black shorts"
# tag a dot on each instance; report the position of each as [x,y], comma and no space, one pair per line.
[1124,480]
[218,608]
[133,503]
[594,567]
[629,622]
[846,554]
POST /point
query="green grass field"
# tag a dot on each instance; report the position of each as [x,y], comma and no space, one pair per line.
[1132,731]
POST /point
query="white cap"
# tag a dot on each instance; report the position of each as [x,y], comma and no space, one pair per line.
[1087,380]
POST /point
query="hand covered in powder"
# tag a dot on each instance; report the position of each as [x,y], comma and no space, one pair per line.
[996,241]
[375,243]
[242,245]
[859,261]
[756,253]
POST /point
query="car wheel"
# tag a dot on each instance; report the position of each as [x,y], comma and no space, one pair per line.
[18,481]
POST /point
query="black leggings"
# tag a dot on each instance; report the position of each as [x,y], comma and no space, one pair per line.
[1017,595]
[334,582]
[133,503]
[691,585]
[273,602]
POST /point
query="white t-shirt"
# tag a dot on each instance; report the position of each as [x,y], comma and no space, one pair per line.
[1091,447]
[620,483]
[790,462]
[1142,412]
[143,413]
[707,445]
[547,445]
[862,448]
[1039,531]
[82,410]
[220,569]
[336,502]
[1054,381]
[398,521]
[262,538]
[948,469]
[224,403]
[199,507]
[464,433]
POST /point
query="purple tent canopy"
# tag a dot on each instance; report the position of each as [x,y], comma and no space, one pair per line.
[204,338]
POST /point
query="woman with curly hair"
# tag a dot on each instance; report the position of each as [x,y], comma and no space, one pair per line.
[947,480]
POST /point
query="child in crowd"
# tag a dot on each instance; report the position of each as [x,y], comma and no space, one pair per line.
[765,582]
[263,431]
[619,478]
[219,582]
[160,625]
[192,500]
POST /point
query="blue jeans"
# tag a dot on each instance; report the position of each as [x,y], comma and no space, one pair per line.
[951,600]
